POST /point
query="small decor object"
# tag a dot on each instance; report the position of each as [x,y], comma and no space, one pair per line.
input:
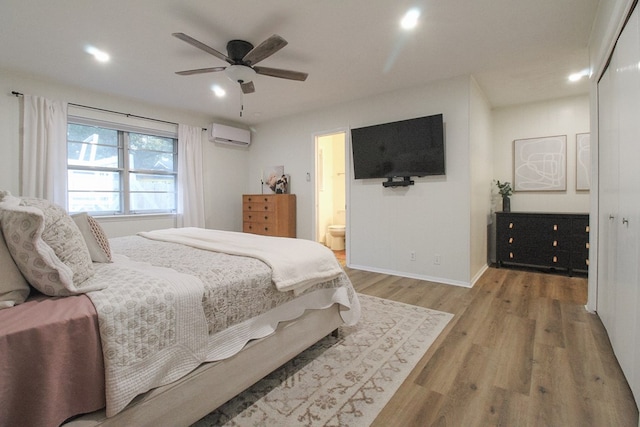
[539,164]
[282,185]
[583,162]
[505,190]
[270,178]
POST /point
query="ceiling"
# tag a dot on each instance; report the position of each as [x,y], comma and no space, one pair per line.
[518,50]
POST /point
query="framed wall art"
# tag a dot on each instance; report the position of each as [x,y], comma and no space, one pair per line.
[540,164]
[583,162]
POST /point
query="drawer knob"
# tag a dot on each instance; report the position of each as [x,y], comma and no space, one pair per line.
[511,255]
[249,207]
[555,243]
[555,227]
[266,199]
[555,259]
[249,216]
[510,239]
[266,217]
[586,229]
[586,261]
[586,245]
[510,225]
[266,208]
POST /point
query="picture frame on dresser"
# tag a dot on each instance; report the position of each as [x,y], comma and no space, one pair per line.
[540,164]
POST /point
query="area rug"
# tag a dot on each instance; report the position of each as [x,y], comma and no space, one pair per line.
[344,380]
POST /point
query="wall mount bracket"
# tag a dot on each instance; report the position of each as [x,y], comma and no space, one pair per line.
[406,181]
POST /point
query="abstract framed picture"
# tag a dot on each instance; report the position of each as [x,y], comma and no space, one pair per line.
[583,162]
[540,164]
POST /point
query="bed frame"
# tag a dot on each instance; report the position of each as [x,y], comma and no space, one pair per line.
[185,401]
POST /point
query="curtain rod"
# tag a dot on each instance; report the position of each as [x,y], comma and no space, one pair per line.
[18,94]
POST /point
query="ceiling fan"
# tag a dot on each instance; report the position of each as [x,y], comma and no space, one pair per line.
[242,57]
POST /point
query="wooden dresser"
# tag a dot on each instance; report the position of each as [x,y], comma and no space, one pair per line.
[269,214]
[550,240]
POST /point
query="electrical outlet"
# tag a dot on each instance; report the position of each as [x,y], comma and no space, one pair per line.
[412,256]
[436,259]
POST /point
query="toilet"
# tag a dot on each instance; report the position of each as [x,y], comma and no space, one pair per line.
[337,233]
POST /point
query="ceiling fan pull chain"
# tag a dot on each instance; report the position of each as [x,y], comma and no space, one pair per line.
[241,103]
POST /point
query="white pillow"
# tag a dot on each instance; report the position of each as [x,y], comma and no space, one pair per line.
[46,245]
[94,236]
[14,289]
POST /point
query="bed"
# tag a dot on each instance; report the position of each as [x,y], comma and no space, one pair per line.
[172,325]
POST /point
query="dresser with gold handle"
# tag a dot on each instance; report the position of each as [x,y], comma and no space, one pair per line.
[549,240]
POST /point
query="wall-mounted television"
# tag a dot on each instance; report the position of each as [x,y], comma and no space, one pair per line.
[406,148]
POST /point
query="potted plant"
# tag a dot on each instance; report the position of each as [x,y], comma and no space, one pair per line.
[505,190]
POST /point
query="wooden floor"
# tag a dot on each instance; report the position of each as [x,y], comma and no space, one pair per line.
[521,350]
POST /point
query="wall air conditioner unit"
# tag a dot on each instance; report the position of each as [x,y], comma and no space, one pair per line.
[229,135]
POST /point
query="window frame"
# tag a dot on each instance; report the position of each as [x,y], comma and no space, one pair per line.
[123,169]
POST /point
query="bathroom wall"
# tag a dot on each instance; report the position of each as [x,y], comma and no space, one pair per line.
[331,183]
[338,180]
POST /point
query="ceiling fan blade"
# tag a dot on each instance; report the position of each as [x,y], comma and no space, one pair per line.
[283,74]
[247,87]
[200,71]
[264,49]
[202,46]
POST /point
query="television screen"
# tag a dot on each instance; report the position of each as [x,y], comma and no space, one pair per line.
[406,148]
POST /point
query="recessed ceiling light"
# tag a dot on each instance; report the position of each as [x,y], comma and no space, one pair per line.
[575,77]
[219,91]
[410,19]
[578,76]
[98,54]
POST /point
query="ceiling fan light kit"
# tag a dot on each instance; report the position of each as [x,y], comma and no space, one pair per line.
[242,57]
[240,73]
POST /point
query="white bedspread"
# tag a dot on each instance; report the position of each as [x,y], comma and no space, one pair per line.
[296,263]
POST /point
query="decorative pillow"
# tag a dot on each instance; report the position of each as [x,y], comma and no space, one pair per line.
[94,236]
[46,245]
[14,289]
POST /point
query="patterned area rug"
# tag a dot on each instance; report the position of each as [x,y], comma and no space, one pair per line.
[344,381]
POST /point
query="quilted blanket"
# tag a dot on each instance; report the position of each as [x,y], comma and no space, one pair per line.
[152,327]
[296,264]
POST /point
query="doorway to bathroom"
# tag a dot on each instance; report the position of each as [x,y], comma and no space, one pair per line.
[331,215]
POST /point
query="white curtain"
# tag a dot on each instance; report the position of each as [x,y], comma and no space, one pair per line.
[44,149]
[190,178]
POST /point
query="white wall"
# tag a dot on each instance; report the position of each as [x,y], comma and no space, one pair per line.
[564,116]
[445,216]
[225,178]
[481,175]
[386,224]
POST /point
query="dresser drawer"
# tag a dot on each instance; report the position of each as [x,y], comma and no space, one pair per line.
[258,217]
[580,226]
[538,228]
[259,228]
[257,198]
[259,207]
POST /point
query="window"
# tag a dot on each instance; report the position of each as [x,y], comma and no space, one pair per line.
[119,172]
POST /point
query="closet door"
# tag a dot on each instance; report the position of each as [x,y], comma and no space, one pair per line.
[619,200]
[608,195]
[628,221]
